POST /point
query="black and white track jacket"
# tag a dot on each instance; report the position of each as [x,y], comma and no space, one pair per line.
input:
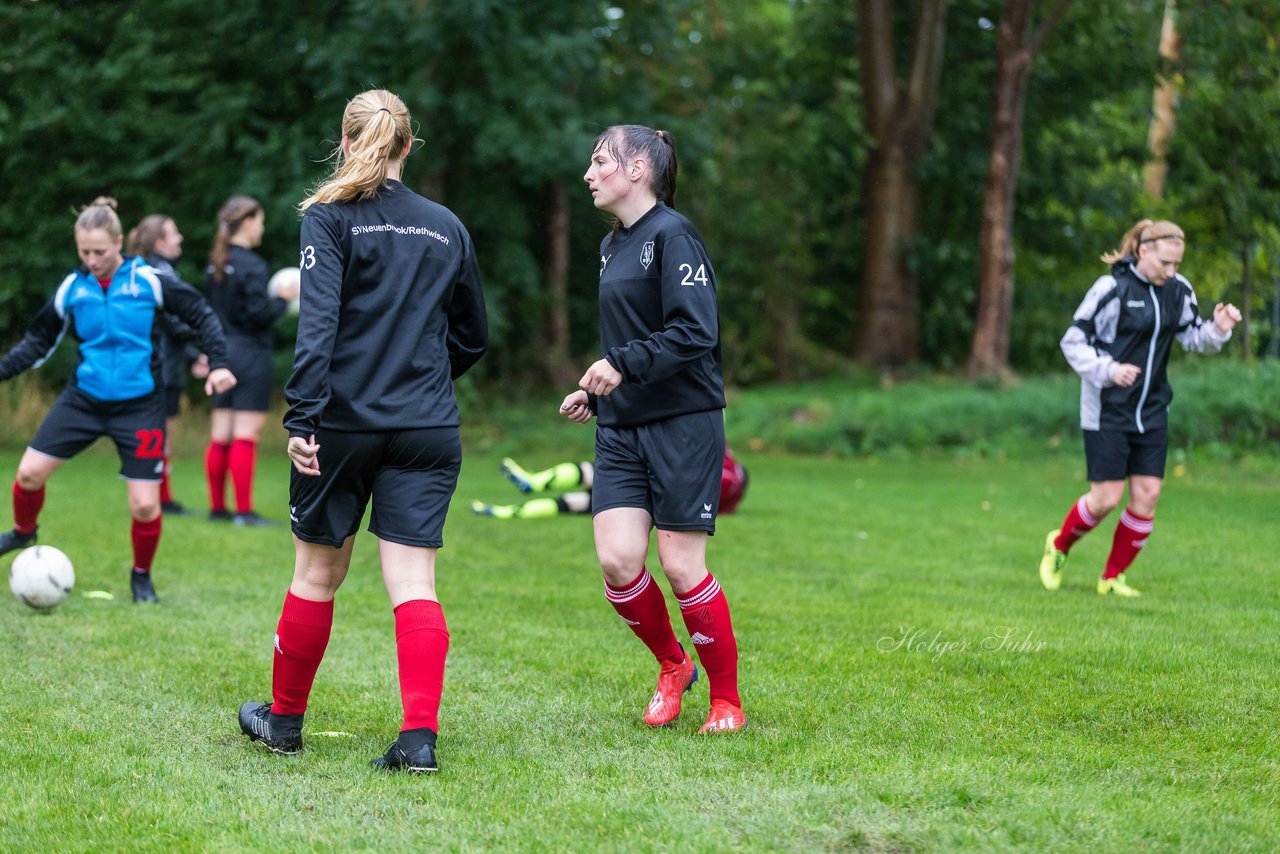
[1126,319]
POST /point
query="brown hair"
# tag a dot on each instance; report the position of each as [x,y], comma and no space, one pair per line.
[1145,231]
[100,213]
[377,128]
[145,235]
[233,214]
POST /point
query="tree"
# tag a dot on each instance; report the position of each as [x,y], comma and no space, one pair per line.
[1017,48]
[1163,101]
[899,121]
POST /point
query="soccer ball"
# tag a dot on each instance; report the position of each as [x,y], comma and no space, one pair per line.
[41,576]
[283,278]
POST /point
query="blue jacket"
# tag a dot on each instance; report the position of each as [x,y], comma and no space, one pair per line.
[116,330]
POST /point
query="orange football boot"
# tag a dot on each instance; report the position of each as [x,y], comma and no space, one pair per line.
[673,681]
[724,717]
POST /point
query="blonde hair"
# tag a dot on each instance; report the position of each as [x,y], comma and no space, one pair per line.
[145,235]
[376,126]
[1145,231]
[100,213]
[233,214]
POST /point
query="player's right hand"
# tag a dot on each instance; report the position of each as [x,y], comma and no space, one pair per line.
[576,408]
[1124,375]
[304,454]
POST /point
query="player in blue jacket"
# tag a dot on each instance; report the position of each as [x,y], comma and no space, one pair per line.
[658,396]
[109,306]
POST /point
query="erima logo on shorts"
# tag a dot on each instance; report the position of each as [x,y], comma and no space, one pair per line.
[1136,303]
[706,511]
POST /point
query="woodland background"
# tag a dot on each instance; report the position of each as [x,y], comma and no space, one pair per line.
[902,186]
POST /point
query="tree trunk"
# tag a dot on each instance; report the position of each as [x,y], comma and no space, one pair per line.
[1162,115]
[557,361]
[889,307]
[1015,52]
[899,118]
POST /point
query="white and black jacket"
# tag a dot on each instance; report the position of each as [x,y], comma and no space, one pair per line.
[1126,319]
[391,313]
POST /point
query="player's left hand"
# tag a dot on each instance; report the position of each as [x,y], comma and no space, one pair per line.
[1225,317]
[576,407]
[601,378]
[220,380]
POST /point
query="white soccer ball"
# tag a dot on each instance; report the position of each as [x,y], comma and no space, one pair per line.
[284,278]
[41,576]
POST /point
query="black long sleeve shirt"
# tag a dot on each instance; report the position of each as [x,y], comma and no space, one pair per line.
[241,298]
[392,311]
[659,326]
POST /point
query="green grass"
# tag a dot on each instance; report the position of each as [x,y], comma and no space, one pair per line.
[1102,725]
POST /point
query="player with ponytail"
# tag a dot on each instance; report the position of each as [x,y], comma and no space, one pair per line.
[659,396]
[392,313]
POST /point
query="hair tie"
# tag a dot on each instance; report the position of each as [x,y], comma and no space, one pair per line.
[383,110]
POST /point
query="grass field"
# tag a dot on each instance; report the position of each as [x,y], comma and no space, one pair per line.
[909,684]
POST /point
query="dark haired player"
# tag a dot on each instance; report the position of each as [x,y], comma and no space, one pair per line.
[659,398]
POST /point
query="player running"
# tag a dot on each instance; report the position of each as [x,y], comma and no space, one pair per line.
[659,397]
[1119,344]
[109,305]
[392,313]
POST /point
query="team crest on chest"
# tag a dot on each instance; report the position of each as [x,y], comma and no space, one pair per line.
[646,255]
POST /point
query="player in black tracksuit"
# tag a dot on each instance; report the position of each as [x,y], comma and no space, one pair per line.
[1119,343]
[659,399]
[236,281]
[392,313]
[157,239]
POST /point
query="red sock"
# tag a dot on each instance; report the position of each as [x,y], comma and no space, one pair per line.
[1131,535]
[166,496]
[301,637]
[215,471]
[706,616]
[1078,523]
[26,508]
[642,606]
[146,538]
[422,642]
[241,459]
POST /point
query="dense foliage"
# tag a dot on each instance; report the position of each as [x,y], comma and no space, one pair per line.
[174,107]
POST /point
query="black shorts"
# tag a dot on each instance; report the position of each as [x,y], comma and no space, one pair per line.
[76,421]
[173,401]
[411,475]
[1116,454]
[670,468]
[255,377]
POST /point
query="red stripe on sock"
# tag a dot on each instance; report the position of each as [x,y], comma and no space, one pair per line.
[241,460]
[422,644]
[706,616]
[642,606]
[302,636]
[215,471]
[146,539]
[26,508]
